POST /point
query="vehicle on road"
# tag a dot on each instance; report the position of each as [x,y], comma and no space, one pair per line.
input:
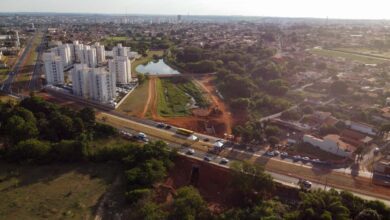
[207,158]
[305,158]
[296,157]
[270,153]
[224,161]
[168,127]
[284,154]
[161,125]
[190,151]
[206,140]
[276,152]
[304,184]
[184,132]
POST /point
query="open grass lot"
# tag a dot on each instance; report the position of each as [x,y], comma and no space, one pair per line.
[172,101]
[136,101]
[350,56]
[53,191]
[174,96]
[368,51]
[146,59]
[3,74]
[6,98]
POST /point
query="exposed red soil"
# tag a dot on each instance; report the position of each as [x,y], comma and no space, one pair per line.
[213,183]
[217,116]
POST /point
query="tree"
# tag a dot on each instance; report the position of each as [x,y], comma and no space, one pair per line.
[141,78]
[368,214]
[273,140]
[31,150]
[87,114]
[251,182]
[338,88]
[272,131]
[135,195]
[322,205]
[19,129]
[151,211]
[188,204]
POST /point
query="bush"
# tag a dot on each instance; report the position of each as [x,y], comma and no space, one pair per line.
[134,196]
[31,150]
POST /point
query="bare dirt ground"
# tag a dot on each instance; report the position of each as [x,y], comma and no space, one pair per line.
[216,116]
[151,97]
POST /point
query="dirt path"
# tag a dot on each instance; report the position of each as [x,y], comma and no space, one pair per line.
[154,101]
[226,117]
[151,91]
[101,207]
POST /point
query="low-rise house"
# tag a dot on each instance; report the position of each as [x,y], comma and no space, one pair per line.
[381,172]
[355,138]
[331,143]
[362,127]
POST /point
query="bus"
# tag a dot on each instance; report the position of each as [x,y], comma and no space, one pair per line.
[184,132]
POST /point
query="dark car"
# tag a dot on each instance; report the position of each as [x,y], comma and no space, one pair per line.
[168,127]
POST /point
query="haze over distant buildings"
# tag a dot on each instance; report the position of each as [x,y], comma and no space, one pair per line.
[352,9]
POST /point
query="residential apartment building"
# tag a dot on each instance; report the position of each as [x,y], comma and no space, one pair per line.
[64,52]
[119,50]
[87,56]
[121,67]
[80,80]
[54,69]
[100,53]
[102,85]
[93,83]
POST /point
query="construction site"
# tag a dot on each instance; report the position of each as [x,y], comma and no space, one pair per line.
[153,100]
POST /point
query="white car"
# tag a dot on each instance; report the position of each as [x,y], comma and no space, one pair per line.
[284,154]
[276,152]
[224,161]
[270,153]
[190,151]
[296,157]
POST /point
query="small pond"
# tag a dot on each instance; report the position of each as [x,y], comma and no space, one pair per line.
[156,67]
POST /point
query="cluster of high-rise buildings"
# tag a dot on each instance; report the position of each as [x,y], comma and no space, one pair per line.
[93,77]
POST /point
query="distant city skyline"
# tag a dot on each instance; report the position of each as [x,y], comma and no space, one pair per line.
[349,9]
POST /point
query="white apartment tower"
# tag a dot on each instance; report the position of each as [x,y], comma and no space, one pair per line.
[121,67]
[54,69]
[102,85]
[88,56]
[80,80]
[100,53]
[119,50]
[64,52]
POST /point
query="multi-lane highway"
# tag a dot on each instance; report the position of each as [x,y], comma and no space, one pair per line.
[34,83]
[218,160]
[7,84]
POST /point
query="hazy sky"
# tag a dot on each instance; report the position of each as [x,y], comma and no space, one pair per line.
[371,9]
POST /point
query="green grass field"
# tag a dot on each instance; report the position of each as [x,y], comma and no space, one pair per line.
[366,59]
[146,59]
[66,191]
[3,74]
[135,102]
[172,101]
[173,96]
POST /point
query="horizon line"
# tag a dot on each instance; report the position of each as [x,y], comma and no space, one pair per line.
[197,15]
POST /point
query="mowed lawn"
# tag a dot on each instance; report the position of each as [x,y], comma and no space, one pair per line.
[136,101]
[67,191]
[366,59]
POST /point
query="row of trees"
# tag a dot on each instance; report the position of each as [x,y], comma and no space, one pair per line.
[38,131]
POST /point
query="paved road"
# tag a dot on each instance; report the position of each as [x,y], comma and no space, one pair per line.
[216,160]
[7,84]
[34,83]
